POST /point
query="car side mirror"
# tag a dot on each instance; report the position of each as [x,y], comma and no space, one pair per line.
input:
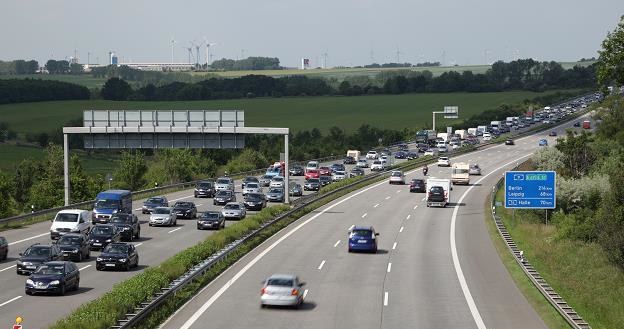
[376,234]
[21,254]
[301,284]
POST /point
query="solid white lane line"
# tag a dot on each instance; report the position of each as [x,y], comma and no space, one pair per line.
[394,246]
[6,268]
[375,206]
[336,244]
[305,293]
[82,268]
[389,267]
[408,216]
[175,229]
[32,237]
[401,230]
[365,214]
[460,274]
[423,199]
[351,227]
[387,198]
[416,206]
[138,244]
[137,209]
[201,310]
[321,266]
[399,191]
[198,205]
[386,298]
[10,300]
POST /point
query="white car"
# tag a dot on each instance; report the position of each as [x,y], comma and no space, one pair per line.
[224,184]
[163,216]
[431,152]
[277,181]
[384,159]
[234,210]
[362,163]
[252,187]
[70,221]
[377,165]
[372,155]
[442,149]
[339,175]
[444,162]
[487,136]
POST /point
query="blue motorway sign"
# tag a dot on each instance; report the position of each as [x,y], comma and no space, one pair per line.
[530,189]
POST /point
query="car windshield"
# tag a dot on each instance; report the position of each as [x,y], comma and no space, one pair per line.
[121,218]
[154,200]
[253,198]
[437,189]
[162,211]
[209,215]
[116,249]
[67,218]
[267,177]
[396,174]
[37,252]
[252,185]
[68,240]
[204,185]
[312,171]
[251,179]
[278,179]
[339,173]
[325,178]
[223,194]
[377,162]
[50,269]
[232,206]
[362,232]
[223,181]
[106,204]
[280,282]
[313,180]
[275,190]
[102,230]
[184,205]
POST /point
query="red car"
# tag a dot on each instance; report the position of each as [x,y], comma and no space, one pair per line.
[312,173]
[325,171]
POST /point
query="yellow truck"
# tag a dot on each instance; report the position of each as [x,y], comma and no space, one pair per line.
[460,173]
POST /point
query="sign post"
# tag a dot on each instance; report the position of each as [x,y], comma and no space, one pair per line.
[530,190]
[450,112]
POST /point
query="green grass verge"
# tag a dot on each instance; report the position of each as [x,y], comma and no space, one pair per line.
[578,271]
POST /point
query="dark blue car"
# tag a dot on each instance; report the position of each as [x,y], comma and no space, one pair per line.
[363,238]
[54,277]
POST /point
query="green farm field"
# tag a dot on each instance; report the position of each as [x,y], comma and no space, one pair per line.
[84,79]
[297,113]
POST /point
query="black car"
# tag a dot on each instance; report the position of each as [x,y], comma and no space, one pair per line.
[151,203]
[255,201]
[436,194]
[36,255]
[325,180]
[417,185]
[349,160]
[337,167]
[211,220]
[128,225]
[118,255]
[422,147]
[204,189]
[4,248]
[509,141]
[400,155]
[296,171]
[411,155]
[357,171]
[250,179]
[577,124]
[103,234]
[74,246]
[185,209]
[223,197]
[552,133]
[312,184]
[54,277]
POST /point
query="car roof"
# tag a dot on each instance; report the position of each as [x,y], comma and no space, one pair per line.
[283,276]
[361,227]
[56,262]
[72,211]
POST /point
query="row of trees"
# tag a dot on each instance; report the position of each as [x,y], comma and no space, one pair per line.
[518,75]
[249,63]
[33,90]
[63,67]
[391,65]
[19,66]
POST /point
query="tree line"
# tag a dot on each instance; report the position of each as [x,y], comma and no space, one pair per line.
[19,66]
[34,90]
[249,63]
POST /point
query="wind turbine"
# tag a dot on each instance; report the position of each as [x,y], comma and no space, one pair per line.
[190,53]
[208,55]
[197,46]
[172,49]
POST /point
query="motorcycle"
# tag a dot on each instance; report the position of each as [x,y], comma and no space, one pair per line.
[425,170]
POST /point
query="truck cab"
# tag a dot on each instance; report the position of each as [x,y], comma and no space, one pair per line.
[460,173]
[111,202]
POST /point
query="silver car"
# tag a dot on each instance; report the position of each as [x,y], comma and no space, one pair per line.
[474,170]
[265,180]
[397,177]
[234,210]
[275,194]
[362,163]
[224,184]
[163,216]
[282,290]
[252,188]
[338,175]
[277,181]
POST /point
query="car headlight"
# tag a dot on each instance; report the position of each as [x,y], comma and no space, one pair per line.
[75,251]
[125,228]
[75,229]
[55,282]
[30,282]
[99,259]
[108,240]
[19,262]
[123,260]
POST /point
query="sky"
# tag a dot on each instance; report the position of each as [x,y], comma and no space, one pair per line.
[349,32]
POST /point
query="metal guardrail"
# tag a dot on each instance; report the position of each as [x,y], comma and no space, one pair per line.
[568,313]
[150,305]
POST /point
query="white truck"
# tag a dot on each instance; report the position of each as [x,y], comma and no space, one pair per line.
[472,131]
[481,129]
[496,125]
[461,133]
[460,173]
[438,192]
[444,136]
[354,153]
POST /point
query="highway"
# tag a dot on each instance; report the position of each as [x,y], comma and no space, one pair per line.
[436,267]
[155,245]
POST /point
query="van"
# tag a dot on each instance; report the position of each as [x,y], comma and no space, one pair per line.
[70,221]
[111,202]
[312,165]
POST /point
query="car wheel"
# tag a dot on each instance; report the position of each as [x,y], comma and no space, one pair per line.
[77,285]
[88,254]
[79,257]
[138,234]
[127,268]
[62,291]
[28,292]
[136,264]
